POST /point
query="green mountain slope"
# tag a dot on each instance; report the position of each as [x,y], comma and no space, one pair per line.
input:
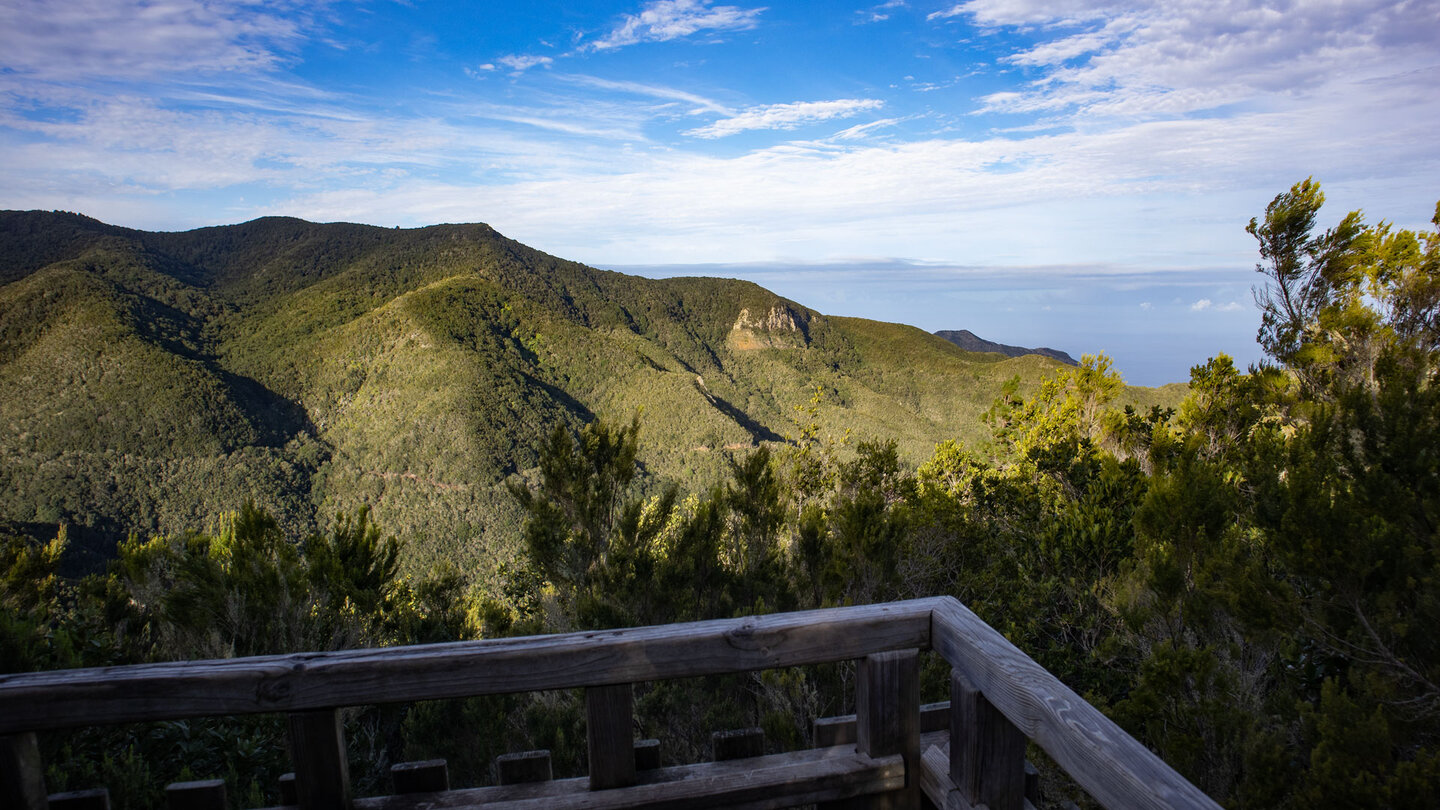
[151,380]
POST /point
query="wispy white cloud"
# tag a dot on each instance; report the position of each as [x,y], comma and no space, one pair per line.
[134,39]
[1207,305]
[700,103]
[945,14]
[878,13]
[519,63]
[1167,60]
[862,130]
[785,116]
[665,20]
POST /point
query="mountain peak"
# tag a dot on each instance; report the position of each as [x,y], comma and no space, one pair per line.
[971,342]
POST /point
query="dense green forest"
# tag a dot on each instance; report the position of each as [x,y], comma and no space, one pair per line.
[1249,581]
[151,381]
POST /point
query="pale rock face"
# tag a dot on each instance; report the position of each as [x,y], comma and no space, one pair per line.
[780,328]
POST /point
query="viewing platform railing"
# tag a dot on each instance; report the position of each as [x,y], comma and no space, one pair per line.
[967,754]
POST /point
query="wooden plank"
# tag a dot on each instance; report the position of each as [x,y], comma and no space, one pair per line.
[737,743]
[94,799]
[760,783]
[647,755]
[828,731]
[987,752]
[303,681]
[610,736]
[524,766]
[1032,784]
[840,730]
[208,794]
[887,718]
[322,770]
[424,776]
[935,780]
[22,774]
[289,796]
[1108,763]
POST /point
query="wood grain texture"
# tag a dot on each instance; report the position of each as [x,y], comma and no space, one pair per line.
[22,774]
[1109,764]
[84,697]
[208,794]
[887,719]
[935,780]
[609,735]
[761,783]
[987,752]
[322,770]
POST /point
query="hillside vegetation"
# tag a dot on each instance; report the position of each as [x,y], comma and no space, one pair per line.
[154,380]
[1248,583]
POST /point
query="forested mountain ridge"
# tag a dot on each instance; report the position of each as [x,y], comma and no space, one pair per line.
[972,342]
[157,379]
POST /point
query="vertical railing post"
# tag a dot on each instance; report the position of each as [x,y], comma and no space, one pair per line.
[987,751]
[887,720]
[322,771]
[22,778]
[609,733]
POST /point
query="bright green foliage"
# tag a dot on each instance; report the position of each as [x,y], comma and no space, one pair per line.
[1337,300]
[241,591]
[33,634]
[1068,409]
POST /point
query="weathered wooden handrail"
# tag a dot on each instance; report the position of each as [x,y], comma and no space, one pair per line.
[999,698]
[43,701]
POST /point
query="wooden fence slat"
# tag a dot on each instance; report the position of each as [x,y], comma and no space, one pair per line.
[525,766]
[828,731]
[208,794]
[762,783]
[987,752]
[887,719]
[647,755]
[322,770]
[610,737]
[307,681]
[424,776]
[289,796]
[737,743]
[93,799]
[1109,764]
[22,774]
[840,730]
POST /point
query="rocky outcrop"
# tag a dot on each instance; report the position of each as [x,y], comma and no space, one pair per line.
[783,327]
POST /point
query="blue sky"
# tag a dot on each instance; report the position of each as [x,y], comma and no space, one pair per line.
[1071,173]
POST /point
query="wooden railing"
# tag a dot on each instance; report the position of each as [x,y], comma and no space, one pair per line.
[967,754]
